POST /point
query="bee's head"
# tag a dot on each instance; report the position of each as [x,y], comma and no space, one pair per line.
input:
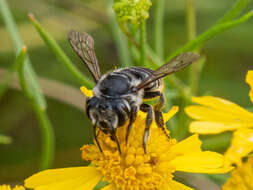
[107,114]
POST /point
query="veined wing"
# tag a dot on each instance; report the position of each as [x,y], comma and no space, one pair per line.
[83,44]
[176,64]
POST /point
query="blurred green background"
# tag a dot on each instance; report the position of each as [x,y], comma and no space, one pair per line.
[229,56]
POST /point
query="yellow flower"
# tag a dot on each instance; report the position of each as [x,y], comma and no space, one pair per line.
[241,177]
[7,187]
[133,169]
[216,115]
[133,11]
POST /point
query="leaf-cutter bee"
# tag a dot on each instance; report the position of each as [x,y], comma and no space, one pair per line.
[119,94]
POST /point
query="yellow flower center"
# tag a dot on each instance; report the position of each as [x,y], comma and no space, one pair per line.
[133,169]
[241,177]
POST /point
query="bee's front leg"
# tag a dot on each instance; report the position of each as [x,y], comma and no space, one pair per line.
[132,118]
[147,108]
[95,136]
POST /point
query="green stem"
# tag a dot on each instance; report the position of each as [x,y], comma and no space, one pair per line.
[11,26]
[213,31]
[17,41]
[191,34]
[48,144]
[28,79]
[60,54]
[142,43]
[190,19]
[155,60]
[119,38]
[21,73]
[234,11]
[158,28]
[45,125]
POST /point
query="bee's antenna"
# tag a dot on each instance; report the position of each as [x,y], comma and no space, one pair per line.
[95,136]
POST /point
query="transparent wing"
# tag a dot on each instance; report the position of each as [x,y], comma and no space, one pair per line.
[176,64]
[83,44]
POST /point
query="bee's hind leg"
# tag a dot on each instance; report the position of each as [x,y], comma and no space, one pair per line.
[158,109]
[159,115]
[147,108]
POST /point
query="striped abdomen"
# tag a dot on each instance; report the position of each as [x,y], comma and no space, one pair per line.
[139,74]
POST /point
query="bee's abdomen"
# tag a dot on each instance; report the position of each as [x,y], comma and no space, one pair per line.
[139,74]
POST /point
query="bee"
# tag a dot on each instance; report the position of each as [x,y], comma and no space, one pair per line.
[119,94]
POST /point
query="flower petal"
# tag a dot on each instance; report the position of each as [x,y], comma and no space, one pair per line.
[229,115]
[18,187]
[111,186]
[75,178]
[86,92]
[174,185]
[187,145]
[200,162]
[167,116]
[208,127]
[241,145]
[249,80]
[220,104]
[5,187]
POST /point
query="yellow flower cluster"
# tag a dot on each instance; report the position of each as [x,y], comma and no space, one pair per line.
[133,11]
[241,177]
[133,169]
[7,187]
[215,115]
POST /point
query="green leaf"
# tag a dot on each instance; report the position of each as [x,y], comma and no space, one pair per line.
[51,43]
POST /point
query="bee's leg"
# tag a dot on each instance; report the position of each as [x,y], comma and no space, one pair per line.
[113,133]
[95,136]
[132,118]
[149,119]
[158,109]
[159,115]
